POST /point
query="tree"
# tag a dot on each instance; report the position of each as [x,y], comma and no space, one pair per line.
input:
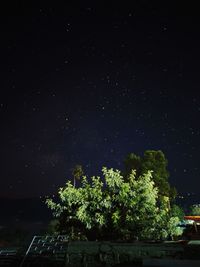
[77,172]
[177,211]
[195,209]
[113,208]
[156,161]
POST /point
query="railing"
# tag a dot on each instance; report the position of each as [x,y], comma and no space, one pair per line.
[7,256]
[51,248]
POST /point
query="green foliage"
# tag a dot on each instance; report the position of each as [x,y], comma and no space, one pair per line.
[195,210]
[177,211]
[168,221]
[113,208]
[77,172]
[155,161]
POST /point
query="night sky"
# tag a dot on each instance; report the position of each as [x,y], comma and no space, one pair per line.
[88,84]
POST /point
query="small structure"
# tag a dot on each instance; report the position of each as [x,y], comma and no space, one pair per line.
[46,251]
[192,218]
[194,231]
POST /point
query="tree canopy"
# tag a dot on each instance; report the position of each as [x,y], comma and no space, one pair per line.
[156,161]
[195,210]
[77,172]
[114,207]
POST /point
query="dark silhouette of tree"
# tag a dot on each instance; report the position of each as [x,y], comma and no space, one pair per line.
[156,161]
[77,172]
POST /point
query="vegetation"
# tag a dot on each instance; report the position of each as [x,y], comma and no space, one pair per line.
[116,207]
[156,161]
[195,210]
[77,172]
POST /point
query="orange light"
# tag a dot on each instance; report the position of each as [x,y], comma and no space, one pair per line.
[193,218]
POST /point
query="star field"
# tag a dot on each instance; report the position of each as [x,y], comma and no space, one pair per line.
[88,85]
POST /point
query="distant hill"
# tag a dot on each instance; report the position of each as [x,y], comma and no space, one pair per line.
[21,219]
[27,209]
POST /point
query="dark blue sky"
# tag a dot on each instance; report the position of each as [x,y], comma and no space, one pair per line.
[88,84]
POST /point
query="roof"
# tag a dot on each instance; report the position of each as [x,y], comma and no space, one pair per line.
[193,218]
